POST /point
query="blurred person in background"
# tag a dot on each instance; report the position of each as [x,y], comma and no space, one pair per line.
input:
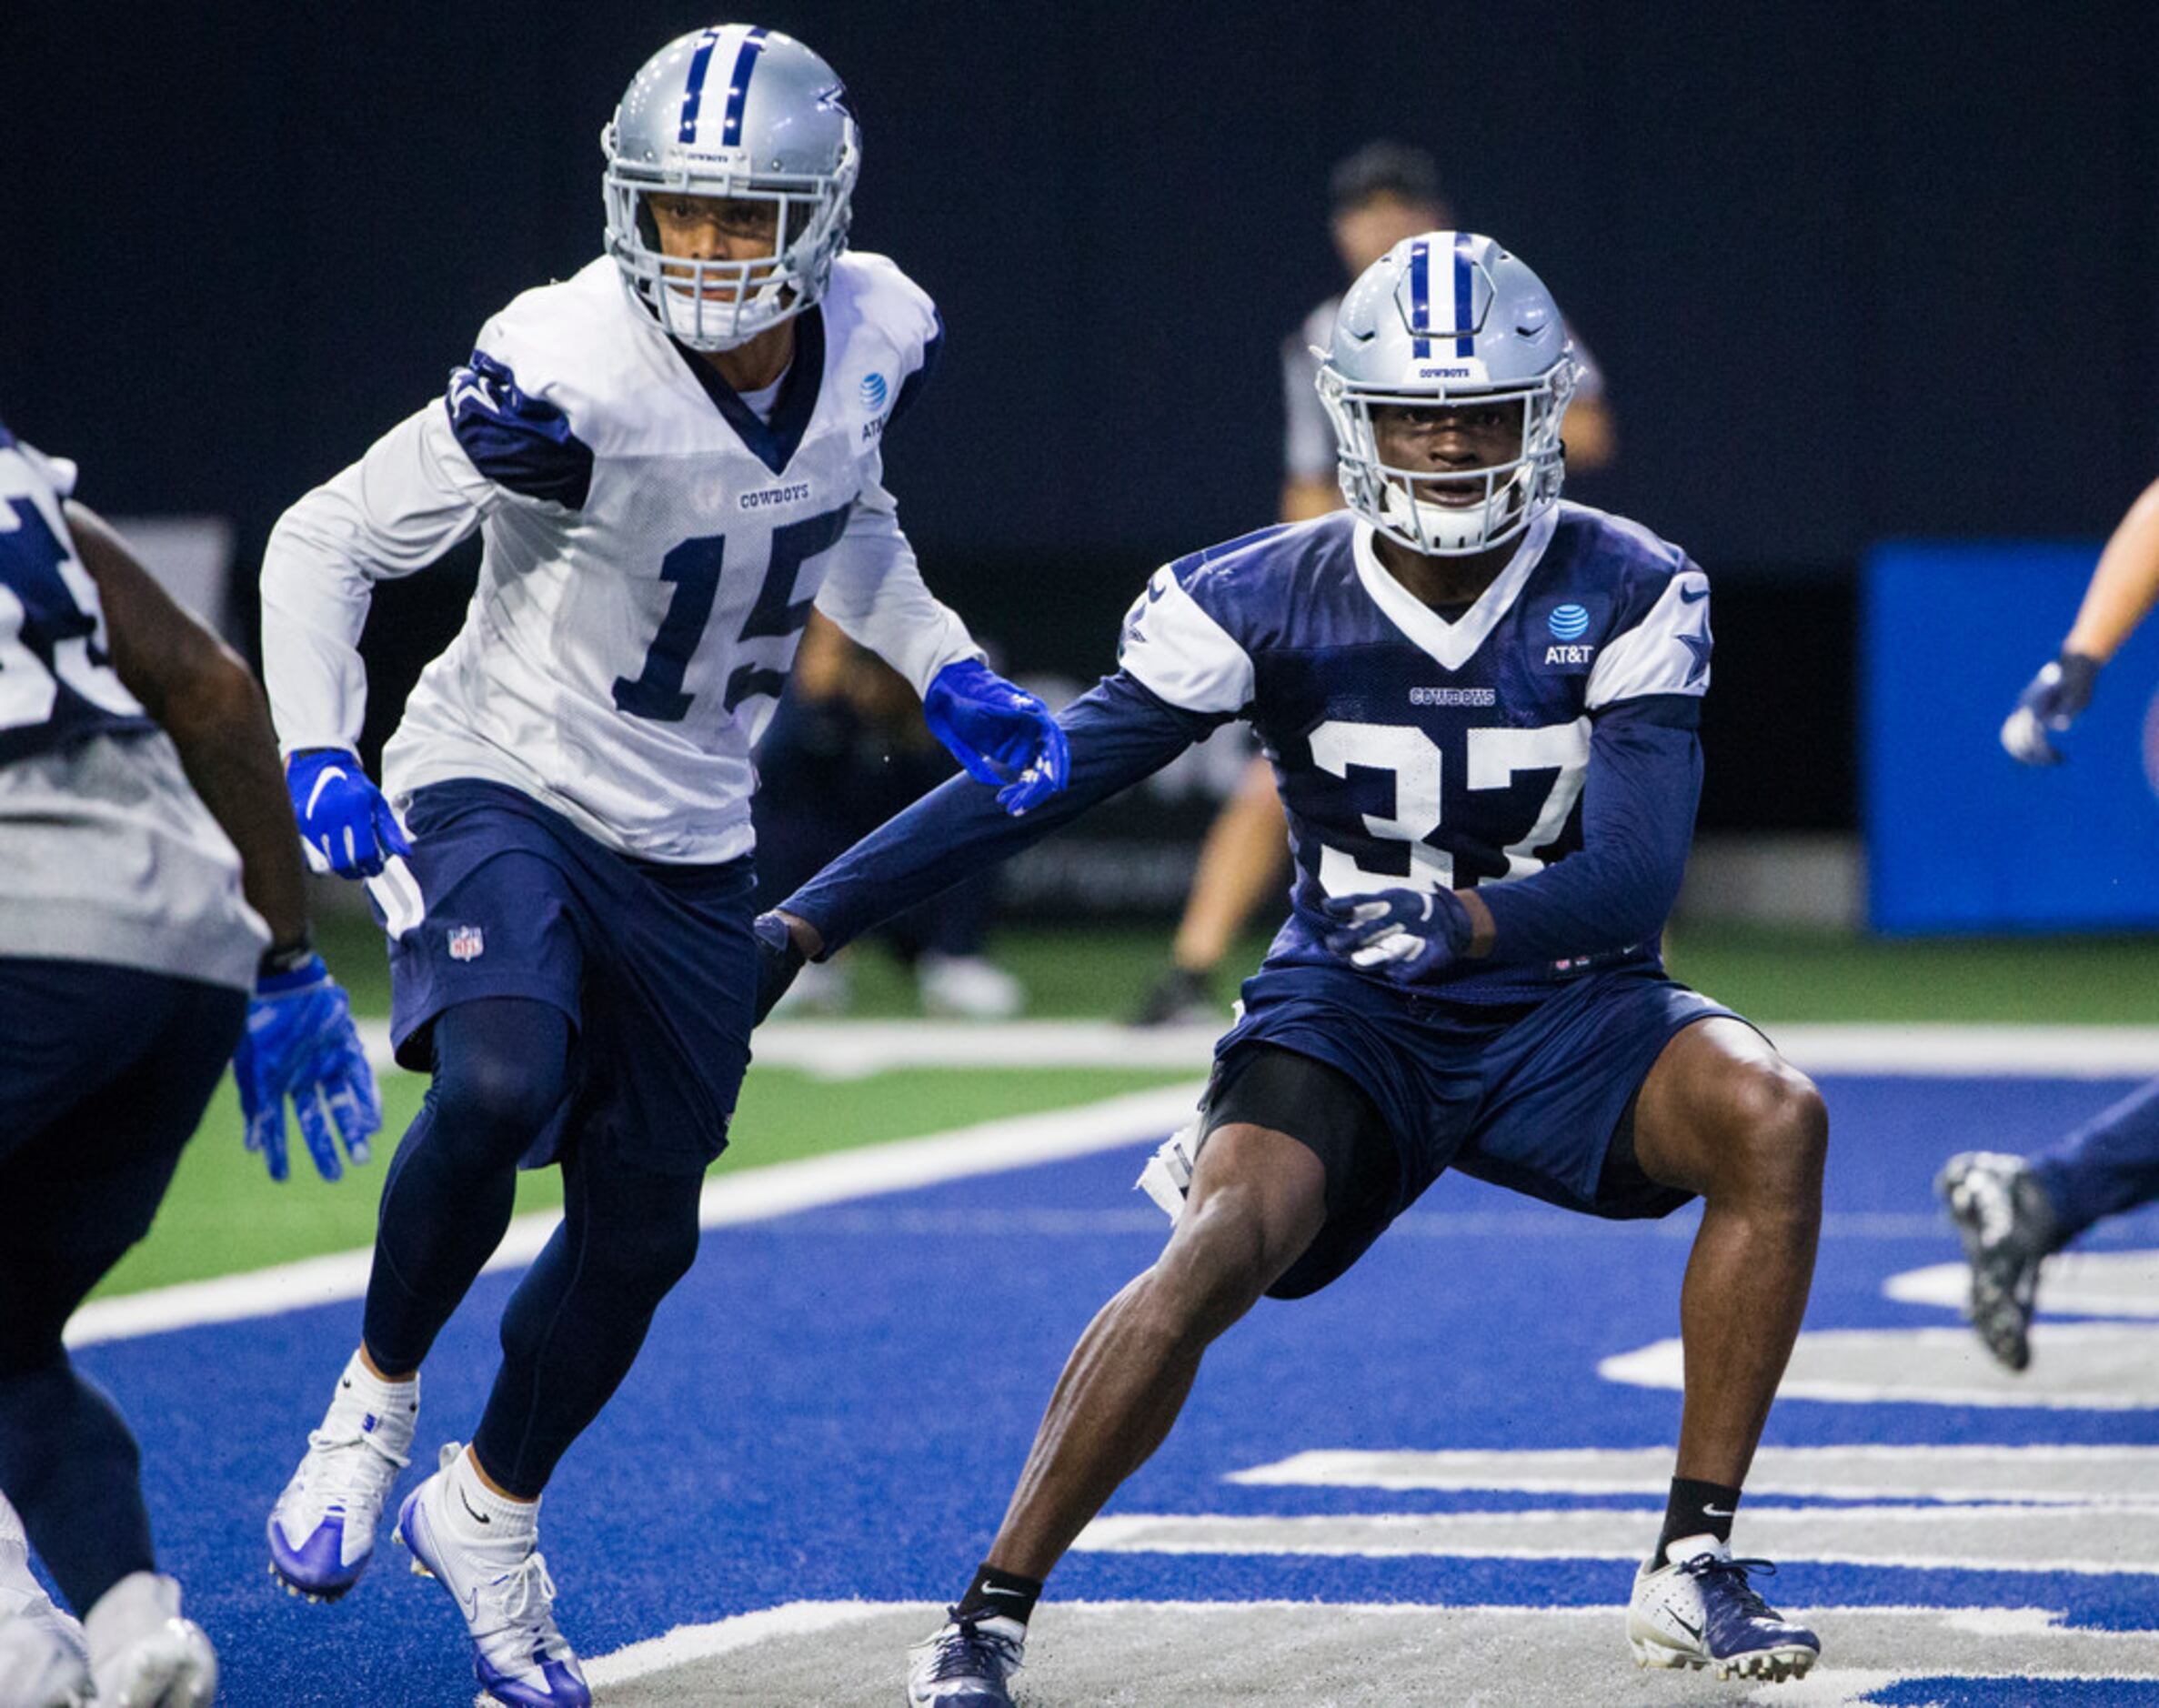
[1385,192]
[670,457]
[153,923]
[847,748]
[2012,1213]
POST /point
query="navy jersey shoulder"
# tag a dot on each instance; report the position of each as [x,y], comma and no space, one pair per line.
[1612,558]
[1276,587]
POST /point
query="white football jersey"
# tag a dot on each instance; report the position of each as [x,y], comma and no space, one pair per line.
[652,551]
[108,855]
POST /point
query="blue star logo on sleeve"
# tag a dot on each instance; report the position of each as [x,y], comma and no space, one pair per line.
[1699,644]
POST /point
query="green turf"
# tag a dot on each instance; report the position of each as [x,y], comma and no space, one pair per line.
[224,1214]
[1771,974]
[1793,975]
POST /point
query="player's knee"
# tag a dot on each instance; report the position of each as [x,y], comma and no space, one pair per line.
[1777,1130]
[485,1098]
[639,1257]
[1225,1254]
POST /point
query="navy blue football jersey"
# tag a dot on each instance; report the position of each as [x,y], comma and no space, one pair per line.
[1412,750]
[57,685]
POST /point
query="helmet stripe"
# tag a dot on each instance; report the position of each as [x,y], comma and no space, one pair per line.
[1420,297]
[730,130]
[1465,298]
[693,91]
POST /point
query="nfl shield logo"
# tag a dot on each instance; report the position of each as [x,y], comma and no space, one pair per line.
[465,942]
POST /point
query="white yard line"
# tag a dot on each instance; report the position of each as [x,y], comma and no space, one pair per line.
[698,1642]
[846,1050]
[750,1195]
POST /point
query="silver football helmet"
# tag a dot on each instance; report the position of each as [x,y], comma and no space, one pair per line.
[744,113]
[1448,318]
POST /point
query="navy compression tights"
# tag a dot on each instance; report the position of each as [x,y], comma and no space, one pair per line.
[574,1326]
[103,1074]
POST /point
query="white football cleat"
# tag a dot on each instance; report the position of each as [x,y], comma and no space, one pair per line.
[498,1578]
[322,1529]
[1699,1610]
[142,1654]
[964,1664]
[44,1659]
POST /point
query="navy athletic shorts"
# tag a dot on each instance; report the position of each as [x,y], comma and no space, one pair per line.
[654,965]
[105,1072]
[1530,1096]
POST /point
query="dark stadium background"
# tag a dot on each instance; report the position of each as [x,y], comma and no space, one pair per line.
[1853,272]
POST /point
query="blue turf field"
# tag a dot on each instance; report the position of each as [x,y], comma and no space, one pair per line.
[835,1403]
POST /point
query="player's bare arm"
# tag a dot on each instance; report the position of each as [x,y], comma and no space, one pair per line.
[208,701]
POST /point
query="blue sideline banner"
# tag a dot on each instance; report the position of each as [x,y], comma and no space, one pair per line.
[1960,837]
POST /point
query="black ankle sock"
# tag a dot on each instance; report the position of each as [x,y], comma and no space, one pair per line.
[1697,1508]
[1005,1595]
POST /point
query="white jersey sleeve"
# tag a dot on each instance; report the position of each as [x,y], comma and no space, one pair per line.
[1666,652]
[412,496]
[874,591]
[1176,650]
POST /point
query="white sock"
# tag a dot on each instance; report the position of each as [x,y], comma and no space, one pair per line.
[479,1517]
[1680,1548]
[395,1406]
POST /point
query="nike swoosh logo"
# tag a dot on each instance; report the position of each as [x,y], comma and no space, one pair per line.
[988,1591]
[1693,1630]
[1718,1512]
[1696,598]
[466,1504]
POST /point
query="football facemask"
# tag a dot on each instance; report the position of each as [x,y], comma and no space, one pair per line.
[734,114]
[1449,320]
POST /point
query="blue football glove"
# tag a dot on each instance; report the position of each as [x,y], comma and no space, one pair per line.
[346,825]
[1003,735]
[779,960]
[300,1044]
[2051,702]
[1408,935]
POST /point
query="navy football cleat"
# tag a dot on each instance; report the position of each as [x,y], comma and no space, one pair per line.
[1700,1612]
[2007,1224]
[965,1663]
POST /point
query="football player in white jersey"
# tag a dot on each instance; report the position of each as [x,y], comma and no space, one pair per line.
[152,920]
[671,456]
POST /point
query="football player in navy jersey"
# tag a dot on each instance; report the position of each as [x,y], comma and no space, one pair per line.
[670,456]
[1480,705]
[152,922]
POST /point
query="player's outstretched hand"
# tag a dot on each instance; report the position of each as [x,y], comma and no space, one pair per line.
[346,825]
[1003,735]
[2056,695]
[300,1044]
[779,959]
[1406,934]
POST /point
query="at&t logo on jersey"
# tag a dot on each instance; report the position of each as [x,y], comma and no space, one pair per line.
[1567,650]
[873,391]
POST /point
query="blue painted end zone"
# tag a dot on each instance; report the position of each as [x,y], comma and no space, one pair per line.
[834,1405]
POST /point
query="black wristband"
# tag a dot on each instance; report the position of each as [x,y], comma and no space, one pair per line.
[282,958]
